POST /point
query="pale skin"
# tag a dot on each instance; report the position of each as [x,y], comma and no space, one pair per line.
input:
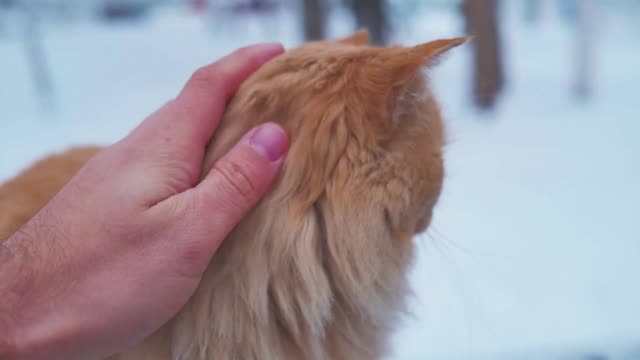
[123,246]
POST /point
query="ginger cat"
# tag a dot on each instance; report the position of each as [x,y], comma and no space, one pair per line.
[318,269]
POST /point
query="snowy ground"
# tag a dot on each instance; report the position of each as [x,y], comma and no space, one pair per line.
[534,254]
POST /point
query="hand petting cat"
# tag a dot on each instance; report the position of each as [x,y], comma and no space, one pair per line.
[122,247]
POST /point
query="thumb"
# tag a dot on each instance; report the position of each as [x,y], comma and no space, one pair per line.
[205,214]
[236,183]
[241,177]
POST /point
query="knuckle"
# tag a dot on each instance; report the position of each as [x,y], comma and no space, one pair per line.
[193,257]
[249,56]
[219,72]
[205,76]
[237,179]
[242,52]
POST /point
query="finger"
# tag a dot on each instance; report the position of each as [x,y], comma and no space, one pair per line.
[193,116]
[209,211]
[240,178]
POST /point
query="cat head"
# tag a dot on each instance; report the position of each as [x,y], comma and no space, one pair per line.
[363,173]
[365,128]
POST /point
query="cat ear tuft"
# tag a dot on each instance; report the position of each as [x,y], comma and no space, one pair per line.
[431,52]
[361,37]
[404,62]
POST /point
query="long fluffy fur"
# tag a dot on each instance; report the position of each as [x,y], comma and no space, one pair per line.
[318,269]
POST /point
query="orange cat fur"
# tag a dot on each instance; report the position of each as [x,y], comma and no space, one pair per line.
[318,269]
[22,196]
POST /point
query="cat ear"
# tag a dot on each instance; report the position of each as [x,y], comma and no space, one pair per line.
[361,37]
[404,63]
[430,52]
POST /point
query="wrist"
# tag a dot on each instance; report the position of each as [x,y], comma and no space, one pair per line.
[27,331]
[8,348]
[13,286]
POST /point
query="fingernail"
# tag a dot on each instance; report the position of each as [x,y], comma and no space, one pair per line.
[270,140]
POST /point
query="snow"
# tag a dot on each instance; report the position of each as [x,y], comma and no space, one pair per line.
[534,252]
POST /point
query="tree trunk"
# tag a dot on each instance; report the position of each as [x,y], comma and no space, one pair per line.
[315,19]
[34,48]
[532,10]
[481,18]
[584,54]
[371,14]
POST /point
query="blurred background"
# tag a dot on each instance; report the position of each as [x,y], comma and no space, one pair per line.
[535,248]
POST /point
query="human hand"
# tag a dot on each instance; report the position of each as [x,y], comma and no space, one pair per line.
[123,246]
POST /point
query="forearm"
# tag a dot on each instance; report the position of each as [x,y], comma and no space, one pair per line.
[15,277]
[30,328]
